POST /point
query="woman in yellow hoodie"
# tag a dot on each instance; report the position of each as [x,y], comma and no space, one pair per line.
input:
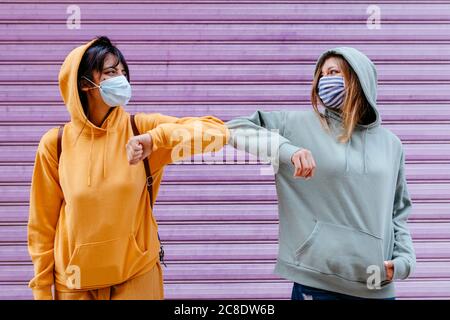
[91,229]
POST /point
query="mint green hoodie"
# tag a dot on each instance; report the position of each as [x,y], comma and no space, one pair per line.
[337,228]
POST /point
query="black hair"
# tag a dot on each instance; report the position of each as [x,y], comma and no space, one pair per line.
[93,60]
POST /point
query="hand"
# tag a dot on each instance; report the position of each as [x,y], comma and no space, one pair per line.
[304,163]
[139,148]
[389,266]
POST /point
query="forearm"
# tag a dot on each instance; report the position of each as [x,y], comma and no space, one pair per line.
[46,198]
[261,135]
[403,256]
[189,136]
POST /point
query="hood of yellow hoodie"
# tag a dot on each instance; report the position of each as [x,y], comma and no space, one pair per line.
[68,78]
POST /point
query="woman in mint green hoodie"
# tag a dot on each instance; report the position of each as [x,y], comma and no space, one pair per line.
[343,229]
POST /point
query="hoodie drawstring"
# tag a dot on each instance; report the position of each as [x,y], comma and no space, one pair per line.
[104,153]
[347,167]
[347,148]
[90,158]
[364,148]
[105,149]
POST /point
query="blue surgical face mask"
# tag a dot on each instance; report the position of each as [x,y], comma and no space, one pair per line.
[115,91]
[331,91]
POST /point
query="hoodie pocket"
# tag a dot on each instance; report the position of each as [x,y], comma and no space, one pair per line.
[104,263]
[341,251]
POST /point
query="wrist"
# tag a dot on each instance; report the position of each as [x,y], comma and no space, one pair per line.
[287,151]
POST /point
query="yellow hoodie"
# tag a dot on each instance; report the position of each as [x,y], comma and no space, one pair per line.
[90,221]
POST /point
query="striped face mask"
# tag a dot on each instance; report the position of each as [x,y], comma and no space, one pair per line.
[332,91]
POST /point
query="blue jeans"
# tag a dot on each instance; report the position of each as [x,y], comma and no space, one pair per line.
[301,292]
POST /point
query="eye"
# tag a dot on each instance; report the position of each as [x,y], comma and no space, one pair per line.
[110,71]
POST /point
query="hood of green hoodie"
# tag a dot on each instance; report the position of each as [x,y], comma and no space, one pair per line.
[367,75]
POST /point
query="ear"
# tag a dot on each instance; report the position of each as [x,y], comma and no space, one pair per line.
[85,85]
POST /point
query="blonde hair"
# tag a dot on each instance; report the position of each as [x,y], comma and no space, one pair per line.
[355,102]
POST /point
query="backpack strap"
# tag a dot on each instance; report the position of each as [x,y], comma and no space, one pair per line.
[146,163]
[149,185]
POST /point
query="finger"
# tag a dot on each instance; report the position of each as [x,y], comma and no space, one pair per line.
[298,171]
[313,169]
[137,146]
[297,165]
[131,142]
[129,154]
[309,167]
[313,165]
[132,161]
[134,142]
[301,166]
[313,172]
[131,158]
[305,165]
[135,161]
[134,150]
[309,174]
[128,147]
[137,157]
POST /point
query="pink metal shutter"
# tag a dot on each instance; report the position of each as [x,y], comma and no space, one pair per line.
[219,222]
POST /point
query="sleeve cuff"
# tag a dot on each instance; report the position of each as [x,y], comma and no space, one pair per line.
[287,150]
[43,293]
[401,269]
[155,139]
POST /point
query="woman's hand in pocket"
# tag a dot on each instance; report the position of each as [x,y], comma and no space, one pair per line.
[304,163]
[389,266]
[139,147]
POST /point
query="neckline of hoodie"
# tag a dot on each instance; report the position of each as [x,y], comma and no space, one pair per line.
[336,116]
[90,128]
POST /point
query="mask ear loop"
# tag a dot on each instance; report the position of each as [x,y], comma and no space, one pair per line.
[96,85]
